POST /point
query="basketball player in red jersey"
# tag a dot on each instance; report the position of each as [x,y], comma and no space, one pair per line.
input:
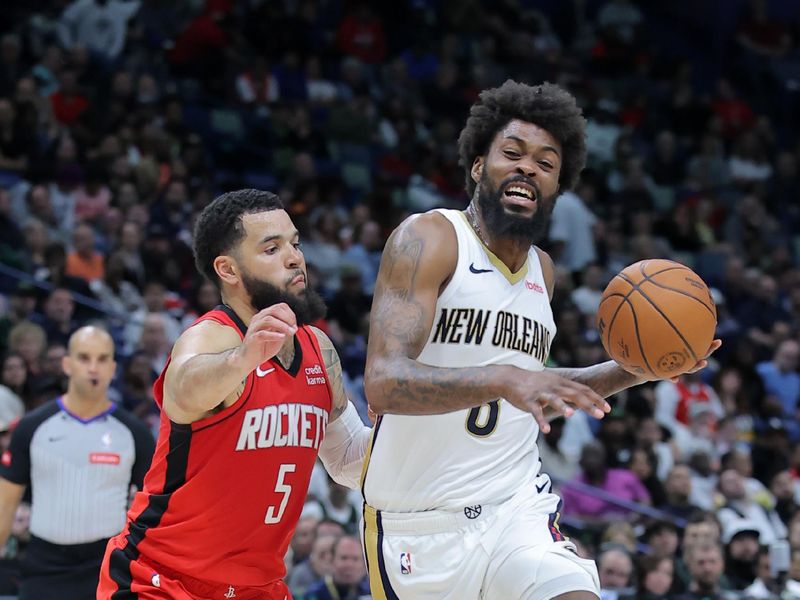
[250,396]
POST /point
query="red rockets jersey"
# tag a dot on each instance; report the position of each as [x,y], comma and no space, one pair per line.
[223,495]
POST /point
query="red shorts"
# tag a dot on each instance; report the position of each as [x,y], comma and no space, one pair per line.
[121,572]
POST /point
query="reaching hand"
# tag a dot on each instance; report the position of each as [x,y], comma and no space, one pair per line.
[703,362]
[699,365]
[533,392]
[266,334]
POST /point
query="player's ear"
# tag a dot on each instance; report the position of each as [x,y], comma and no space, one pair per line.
[227,269]
[477,169]
[66,365]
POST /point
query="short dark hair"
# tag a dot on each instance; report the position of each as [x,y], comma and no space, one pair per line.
[547,105]
[219,227]
[701,516]
[658,527]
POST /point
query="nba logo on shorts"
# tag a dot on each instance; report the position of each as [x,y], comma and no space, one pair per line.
[405,563]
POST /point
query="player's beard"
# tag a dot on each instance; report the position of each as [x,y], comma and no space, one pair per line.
[307,304]
[503,224]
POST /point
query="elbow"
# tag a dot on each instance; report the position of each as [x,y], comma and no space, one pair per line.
[183,403]
[182,396]
[375,387]
[387,382]
[375,399]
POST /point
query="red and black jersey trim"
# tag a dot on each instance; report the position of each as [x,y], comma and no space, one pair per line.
[180,438]
[233,316]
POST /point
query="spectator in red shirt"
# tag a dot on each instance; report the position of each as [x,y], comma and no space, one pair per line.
[68,102]
[361,35]
[763,36]
[763,41]
[201,45]
[735,114]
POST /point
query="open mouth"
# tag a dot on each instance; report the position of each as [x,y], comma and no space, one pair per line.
[94,381]
[521,194]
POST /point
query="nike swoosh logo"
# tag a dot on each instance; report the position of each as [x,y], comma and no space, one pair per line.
[540,489]
[262,372]
[472,269]
[55,439]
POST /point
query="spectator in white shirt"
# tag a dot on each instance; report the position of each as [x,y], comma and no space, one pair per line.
[587,297]
[99,25]
[572,228]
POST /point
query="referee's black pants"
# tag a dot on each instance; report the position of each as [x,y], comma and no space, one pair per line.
[61,572]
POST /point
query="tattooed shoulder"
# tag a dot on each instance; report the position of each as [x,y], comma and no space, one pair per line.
[333,365]
[419,256]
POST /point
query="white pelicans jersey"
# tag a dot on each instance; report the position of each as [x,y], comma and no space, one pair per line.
[486,315]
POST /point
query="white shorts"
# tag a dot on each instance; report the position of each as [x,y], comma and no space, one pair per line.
[512,551]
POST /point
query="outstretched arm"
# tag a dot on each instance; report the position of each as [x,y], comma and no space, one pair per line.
[419,258]
[346,437]
[607,378]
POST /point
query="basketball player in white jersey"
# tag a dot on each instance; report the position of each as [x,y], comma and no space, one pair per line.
[455,505]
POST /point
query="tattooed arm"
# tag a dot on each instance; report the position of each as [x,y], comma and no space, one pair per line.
[346,438]
[606,378]
[333,365]
[419,259]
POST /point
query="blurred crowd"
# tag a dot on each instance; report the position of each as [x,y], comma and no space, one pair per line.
[121,119]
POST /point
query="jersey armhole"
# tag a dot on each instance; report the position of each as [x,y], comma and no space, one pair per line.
[452,217]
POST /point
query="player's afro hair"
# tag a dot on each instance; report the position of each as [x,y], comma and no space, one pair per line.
[547,105]
[219,227]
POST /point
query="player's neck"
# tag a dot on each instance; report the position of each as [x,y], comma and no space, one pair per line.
[512,252]
[85,407]
[285,355]
[241,307]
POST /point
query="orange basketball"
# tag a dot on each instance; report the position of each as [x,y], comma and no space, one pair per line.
[657,317]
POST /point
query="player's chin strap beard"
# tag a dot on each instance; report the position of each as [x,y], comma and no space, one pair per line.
[472,215]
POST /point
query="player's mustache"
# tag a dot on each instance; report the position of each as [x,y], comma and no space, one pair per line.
[294,274]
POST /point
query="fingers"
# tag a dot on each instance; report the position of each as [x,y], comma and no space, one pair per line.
[583,398]
[272,323]
[269,336]
[541,420]
[701,364]
[715,345]
[279,311]
[556,403]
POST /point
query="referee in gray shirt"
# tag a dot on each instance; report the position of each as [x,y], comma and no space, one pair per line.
[80,454]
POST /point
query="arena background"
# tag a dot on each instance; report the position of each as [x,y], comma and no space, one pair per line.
[120,120]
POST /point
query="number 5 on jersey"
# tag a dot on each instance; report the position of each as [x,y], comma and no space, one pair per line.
[280,488]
